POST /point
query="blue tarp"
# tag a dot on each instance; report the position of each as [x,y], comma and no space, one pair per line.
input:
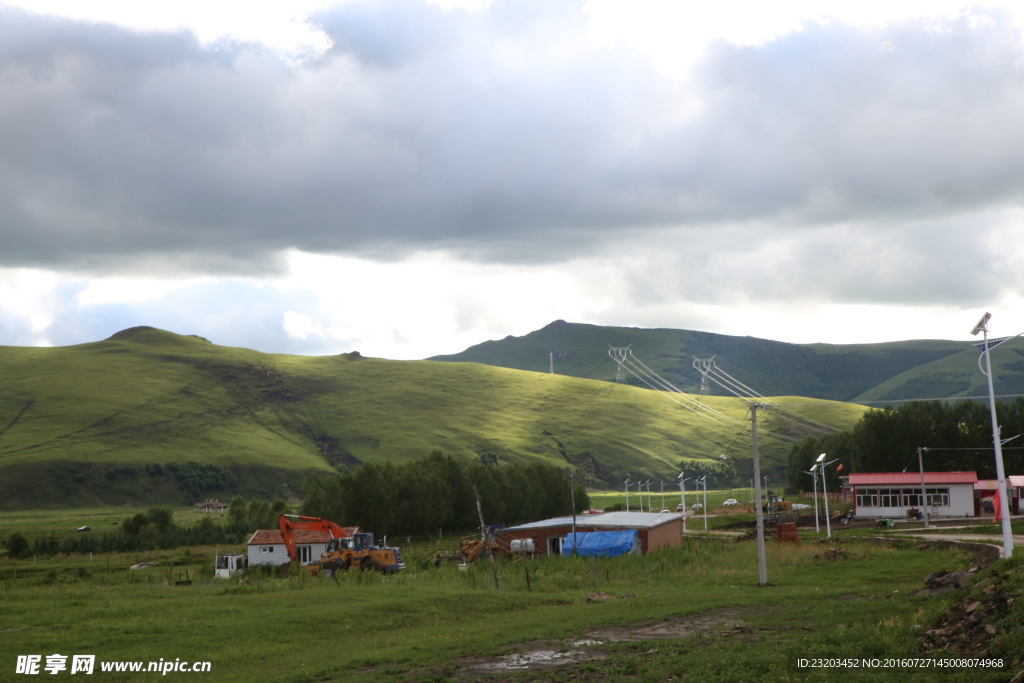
[602,543]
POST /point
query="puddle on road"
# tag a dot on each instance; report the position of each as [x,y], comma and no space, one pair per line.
[546,656]
[537,659]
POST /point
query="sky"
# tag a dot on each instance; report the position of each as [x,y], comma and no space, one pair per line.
[408,178]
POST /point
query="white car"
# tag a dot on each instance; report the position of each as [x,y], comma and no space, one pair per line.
[730,501]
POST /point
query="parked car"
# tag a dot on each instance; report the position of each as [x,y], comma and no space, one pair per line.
[730,501]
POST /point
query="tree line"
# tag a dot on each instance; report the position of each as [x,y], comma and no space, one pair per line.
[436,492]
[958,436]
[155,529]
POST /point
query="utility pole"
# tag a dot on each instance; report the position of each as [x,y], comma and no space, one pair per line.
[924,491]
[762,563]
[627,483]
[551,355]
[572,498]
[485,535]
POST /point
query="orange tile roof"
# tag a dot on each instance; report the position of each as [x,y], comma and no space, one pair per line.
[274,537]
[310,536]
[267,537]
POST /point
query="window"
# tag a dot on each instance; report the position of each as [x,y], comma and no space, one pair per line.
[867,498]
[304,554]
[266,549]
[912,498]
[890,498]
[938,497]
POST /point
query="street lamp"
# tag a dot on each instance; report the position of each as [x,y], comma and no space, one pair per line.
[1004,507]
[682,496]
[627,483]
[814,473]
[824,492]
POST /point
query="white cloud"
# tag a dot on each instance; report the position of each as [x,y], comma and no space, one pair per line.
[300,326]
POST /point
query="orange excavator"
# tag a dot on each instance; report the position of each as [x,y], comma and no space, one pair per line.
[289,524]
[347,548]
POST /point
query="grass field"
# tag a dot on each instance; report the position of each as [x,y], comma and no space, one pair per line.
[435,624]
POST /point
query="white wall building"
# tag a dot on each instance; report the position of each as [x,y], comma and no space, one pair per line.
[891,494]
[267,547]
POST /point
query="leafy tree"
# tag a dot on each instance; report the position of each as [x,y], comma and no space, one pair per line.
[17,546]
[160,517]
[238,512]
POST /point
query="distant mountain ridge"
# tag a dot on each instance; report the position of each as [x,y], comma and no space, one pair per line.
[889,371]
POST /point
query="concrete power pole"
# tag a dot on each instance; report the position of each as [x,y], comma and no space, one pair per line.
[762,563]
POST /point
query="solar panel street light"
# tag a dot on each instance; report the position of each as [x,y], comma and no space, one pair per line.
[1004,508]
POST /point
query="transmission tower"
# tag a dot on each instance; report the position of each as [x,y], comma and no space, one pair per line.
[704,366]
[619,355]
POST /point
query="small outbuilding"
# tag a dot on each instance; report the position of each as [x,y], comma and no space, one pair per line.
[894,494]
[653,530]
[985,489]
[267,546]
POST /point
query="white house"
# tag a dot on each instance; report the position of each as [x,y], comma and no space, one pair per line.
[267,547]
[891,494]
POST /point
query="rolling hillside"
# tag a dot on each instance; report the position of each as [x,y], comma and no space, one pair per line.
[956,375]
[99,422]
[844,372]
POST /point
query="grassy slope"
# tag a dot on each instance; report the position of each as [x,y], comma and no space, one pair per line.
[147,396]
[956,375]
[829,371]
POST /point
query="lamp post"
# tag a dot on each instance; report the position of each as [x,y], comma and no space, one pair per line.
[814,473]
[1004,506]
[682,496]
[924,491]
[704,482]
[627,483]
[824,492]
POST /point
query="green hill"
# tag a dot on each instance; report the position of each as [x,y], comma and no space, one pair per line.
[98,423]
[956,375]
[838,372]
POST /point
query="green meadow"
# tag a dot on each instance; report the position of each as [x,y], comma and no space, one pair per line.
[437,624]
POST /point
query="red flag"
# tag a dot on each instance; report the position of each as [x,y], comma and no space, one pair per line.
[997,507]
[840,468]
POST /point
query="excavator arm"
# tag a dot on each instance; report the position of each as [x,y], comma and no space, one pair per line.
[289,524]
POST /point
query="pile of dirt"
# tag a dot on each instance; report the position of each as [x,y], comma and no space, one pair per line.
[973,625]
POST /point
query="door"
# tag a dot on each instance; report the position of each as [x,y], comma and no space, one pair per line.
[554,545]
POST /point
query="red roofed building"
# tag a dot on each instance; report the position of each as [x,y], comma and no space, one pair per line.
[267,546]
[892,494]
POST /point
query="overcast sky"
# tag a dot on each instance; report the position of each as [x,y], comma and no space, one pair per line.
[407,178]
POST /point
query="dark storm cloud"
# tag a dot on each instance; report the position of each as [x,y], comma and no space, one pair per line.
[504,136]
